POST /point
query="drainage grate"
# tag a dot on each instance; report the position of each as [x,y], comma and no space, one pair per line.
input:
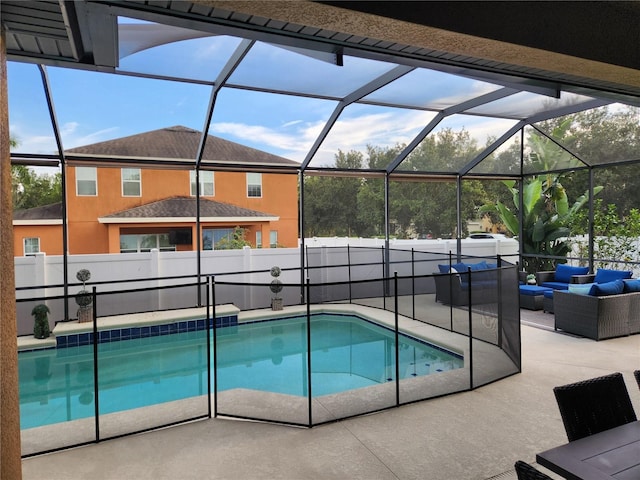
[508,475]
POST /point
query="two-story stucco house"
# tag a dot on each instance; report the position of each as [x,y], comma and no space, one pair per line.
[123,206]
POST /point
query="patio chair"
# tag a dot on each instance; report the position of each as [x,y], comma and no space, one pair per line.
[527,472]
[594,405]
[637,375]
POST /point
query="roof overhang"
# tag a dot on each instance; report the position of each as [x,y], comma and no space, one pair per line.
[36,222]
[237,220]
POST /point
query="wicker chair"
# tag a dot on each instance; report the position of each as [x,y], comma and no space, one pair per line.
[592,406]
[527,472]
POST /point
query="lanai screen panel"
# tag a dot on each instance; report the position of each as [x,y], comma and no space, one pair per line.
[147,104]
[276,68]
[526,104]
[425,209]
[362,126]
[542,154]
[429,89]
[283,125]
[504,160]
[599,136]
[29,119]
[199,59]
[455,142]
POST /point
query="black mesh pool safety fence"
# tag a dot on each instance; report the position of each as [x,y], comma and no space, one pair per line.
[358,342]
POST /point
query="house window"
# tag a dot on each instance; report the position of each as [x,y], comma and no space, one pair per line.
[31,245]
[86,181]
[254,185]
[273,239]
[258,239]
[217,238]
[132,243]
[131,182]
[207,188]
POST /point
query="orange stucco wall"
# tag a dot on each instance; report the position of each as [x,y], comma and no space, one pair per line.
[50,238]
[87,235]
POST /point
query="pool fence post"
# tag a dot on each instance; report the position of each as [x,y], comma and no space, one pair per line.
[470,328]
[207,331]
[349,268]
[395,287]
[500,313]
[96,387]
[310,424]
[413,284]
[385,280]
[215,350]
[451,290]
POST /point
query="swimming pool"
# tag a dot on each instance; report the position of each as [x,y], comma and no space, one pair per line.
[348,352]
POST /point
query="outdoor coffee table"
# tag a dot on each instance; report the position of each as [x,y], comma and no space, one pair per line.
[612,454]
[531,296]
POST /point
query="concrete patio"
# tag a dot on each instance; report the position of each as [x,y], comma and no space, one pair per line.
[472,435]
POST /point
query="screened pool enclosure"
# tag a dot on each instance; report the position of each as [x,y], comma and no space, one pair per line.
[424,138]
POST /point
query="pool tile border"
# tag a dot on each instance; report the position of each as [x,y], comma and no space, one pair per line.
[132,333]
[131,327]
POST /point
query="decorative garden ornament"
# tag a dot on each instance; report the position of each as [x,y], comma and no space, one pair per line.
[84,298]
[276,287]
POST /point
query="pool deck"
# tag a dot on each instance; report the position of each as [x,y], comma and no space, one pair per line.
[467,436]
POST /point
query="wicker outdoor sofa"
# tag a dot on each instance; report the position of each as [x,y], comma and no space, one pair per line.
[597,317]
[453,288]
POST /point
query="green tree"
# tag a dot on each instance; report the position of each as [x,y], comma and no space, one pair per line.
[331,203]
[355,205]
[615,235]
[431,206]
[370,196]
[235,241]
[603,134]
[30,189]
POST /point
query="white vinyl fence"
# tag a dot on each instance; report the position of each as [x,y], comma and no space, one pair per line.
[153,269]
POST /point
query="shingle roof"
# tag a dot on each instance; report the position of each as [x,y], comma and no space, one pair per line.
[180,142]
[176,207]
[45,212]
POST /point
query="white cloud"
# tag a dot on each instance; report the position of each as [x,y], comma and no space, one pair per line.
[255,134]
[71,133]
[381,129]
[68,128]
[36,144]
[292,123]
[73,141]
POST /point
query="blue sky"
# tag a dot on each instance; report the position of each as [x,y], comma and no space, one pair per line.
[93,107]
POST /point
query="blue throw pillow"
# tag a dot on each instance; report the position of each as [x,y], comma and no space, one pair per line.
[632,286]
[580,288]
[443,268]
[565,272]
[609,288]
[479,266]
[460,267]
[604,275]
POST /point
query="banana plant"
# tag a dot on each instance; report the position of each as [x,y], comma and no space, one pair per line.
[545,216]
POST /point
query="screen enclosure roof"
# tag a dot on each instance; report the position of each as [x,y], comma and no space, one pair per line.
[87,72]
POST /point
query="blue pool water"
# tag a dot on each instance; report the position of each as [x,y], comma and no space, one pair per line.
[57,385]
